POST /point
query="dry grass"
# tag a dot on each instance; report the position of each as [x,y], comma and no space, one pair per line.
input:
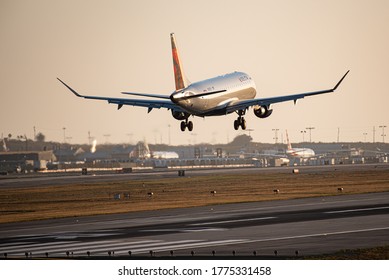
[378,253]
[93,199]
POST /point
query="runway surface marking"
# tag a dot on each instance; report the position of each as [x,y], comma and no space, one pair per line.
[299,205]
[145,246]
[59,242]
[192,245]
[11,247]
[123,246]
[233,221]
[356,210]
[202,229]
[102,247]
[182,230]
[55,246]
[318,234]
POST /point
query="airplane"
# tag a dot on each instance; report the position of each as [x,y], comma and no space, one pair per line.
[5,146]
[221,95]
[298,152]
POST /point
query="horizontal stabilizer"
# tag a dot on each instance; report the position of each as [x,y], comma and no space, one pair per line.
[148,95]
[199,95]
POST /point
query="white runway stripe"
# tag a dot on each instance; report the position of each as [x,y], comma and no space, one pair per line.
[356,210]
[233,221]
[30,247]
[60,247]
[144,247]
[118,246]
[189,245]
[316,235]
[101,247]
[13,244]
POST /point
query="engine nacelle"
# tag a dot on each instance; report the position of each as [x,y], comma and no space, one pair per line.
[263,112]
[181,116]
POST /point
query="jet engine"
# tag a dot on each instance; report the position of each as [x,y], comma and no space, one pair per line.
[263,111]
[180,115]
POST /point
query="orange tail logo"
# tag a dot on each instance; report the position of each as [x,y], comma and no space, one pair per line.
[179,76]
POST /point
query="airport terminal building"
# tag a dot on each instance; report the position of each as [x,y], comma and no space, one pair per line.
[25,161]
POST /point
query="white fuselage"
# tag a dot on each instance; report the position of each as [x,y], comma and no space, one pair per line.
[234,87]
[300,152]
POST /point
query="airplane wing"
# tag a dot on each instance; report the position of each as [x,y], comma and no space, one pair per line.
[245,104]
[148,103]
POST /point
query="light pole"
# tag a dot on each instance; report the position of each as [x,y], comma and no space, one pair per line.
[310,131]
[169,133]
[365,134]
[275,134]
[383,132]
[249,131]
[106,138]
[303,132]
[64,134]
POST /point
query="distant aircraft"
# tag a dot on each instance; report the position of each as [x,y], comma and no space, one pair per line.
[164,155]
[298,152]
[142,151]
[222,95]
[5,146]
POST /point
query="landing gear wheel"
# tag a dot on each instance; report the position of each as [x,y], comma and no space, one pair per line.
[189,126]
[183,126]
[243,123]
[236,124]
[240,121]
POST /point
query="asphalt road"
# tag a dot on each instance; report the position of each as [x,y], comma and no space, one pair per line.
[310,226]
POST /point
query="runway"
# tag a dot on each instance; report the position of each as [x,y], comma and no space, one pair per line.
[52,180]
[310,226]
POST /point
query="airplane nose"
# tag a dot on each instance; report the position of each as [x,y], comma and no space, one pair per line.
[172,98]
[175,96]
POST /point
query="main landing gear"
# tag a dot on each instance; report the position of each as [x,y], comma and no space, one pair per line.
[240,121]
[186,124]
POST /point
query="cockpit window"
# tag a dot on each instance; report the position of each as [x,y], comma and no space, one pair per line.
[243,78]
[188,93]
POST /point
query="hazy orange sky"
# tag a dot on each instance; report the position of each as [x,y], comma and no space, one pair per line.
[105,47]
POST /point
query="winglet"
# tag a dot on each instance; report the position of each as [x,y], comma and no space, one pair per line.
[344,76]
[72,90]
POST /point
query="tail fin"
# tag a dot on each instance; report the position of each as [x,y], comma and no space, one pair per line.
[179,76]
[287,139]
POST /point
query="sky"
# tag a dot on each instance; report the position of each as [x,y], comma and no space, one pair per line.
[105,47]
